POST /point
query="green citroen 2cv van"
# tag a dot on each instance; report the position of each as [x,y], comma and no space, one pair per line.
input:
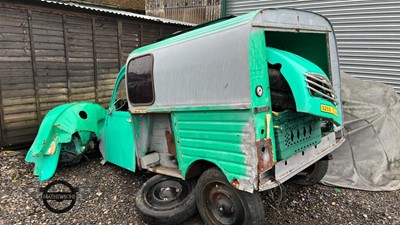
[220,111]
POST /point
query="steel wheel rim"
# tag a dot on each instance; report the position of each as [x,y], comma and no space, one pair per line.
[223,205]
[167,193]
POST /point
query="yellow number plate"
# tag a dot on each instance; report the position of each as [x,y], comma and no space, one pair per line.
[329,109]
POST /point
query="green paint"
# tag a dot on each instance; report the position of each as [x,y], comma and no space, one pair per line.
[118,134]
[293,69]
[219,137]
[57,127]
[259,76]
[311,46]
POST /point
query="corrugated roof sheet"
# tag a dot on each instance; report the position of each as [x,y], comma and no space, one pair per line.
[118,12]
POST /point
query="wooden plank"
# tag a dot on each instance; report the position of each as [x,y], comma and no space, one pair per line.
[25,76]
[16,109]
[67,58]
[15,52]
[83,79]
[18,100]
[83,97]
[55,98]
[47,25]
[81,73]
[2,123]
[55,33]
[14,44]
[94,32]
[49,46]
[10,37]
[21,124]
[21,132]
[47,92]
[34,69]
[84,84]
[16,87]
[46,73]
[12,94]
[19,117]
[45,16]
[13,22]
[48,39]
[83,90]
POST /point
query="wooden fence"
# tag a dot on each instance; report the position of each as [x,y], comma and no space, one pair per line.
[51,56]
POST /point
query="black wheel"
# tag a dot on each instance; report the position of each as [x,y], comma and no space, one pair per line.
[276,81]
[218,202]
[166,200]
[312,174]
[281,94]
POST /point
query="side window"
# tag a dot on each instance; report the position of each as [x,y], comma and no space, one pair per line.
[121,103]
[140,80]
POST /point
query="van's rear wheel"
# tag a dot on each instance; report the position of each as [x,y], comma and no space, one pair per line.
[166,200]
[312,174]
[218,202]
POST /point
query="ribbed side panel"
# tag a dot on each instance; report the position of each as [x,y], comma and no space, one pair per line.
[367,32]
[216,136]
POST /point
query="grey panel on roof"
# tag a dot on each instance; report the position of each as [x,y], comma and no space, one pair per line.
[367,32]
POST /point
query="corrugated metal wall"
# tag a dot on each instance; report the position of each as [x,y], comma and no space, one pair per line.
[192,11]
[367,31]
[50,57]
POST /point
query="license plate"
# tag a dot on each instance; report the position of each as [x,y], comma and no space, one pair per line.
[329,109]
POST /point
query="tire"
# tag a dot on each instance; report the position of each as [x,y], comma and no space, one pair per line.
[282,101]
[277,82]
[281,94]
[166,200]
[311,175]
[218,202]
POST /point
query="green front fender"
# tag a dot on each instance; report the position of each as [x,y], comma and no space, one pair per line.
[58,126]
[293,69]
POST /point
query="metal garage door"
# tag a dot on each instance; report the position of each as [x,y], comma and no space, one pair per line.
[367,31]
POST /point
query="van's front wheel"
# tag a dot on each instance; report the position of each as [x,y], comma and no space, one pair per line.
[218,202]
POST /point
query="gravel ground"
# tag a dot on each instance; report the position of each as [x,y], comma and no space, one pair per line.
[107,192]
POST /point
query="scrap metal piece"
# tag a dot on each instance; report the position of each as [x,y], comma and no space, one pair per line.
[58,127]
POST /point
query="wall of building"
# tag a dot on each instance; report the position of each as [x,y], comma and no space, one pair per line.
[51,56]
[367,32]
[198,11]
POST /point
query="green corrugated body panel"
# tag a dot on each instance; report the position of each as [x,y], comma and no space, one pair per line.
[293,69]
[207,30]
[219,137]
[57,127]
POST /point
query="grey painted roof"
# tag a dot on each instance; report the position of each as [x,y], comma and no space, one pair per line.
[118,12]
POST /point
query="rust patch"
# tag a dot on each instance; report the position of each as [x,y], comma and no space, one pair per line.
[52,147]
[170,142]
[264,155]
[235,183]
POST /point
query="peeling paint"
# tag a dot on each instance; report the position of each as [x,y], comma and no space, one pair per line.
[53,146]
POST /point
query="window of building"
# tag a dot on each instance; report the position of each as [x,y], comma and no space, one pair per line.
[140,80]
